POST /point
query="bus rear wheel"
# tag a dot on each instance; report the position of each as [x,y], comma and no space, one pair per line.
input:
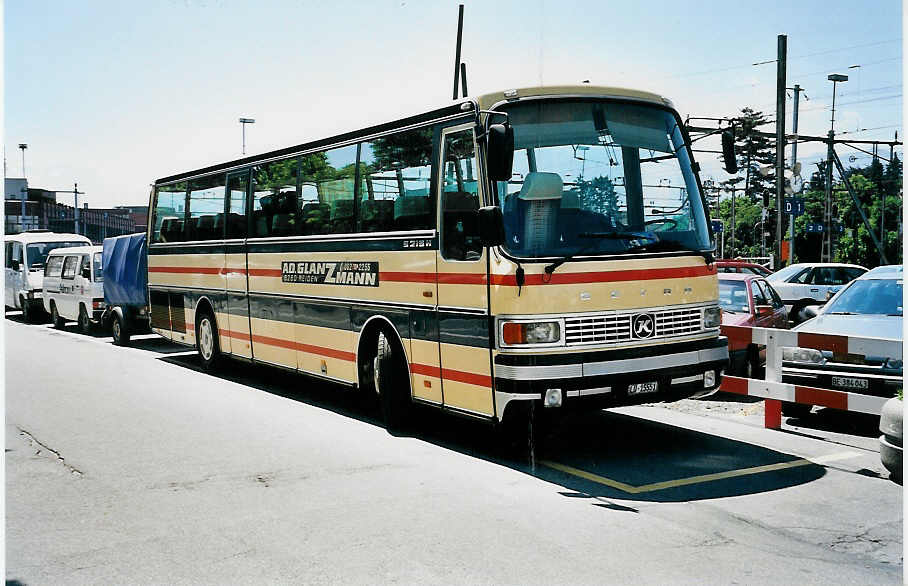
[207,342]
[390,378]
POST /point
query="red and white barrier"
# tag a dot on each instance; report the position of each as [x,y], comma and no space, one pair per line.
[775,391]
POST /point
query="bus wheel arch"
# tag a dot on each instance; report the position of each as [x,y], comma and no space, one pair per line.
[380,356]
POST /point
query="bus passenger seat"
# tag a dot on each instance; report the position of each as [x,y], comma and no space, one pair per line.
[218,229]
[204,228]
[376,214]
[342,215]
[537,204]
[315,218]
[411,212]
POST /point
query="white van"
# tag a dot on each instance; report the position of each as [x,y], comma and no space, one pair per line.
[25,257]
[74,286]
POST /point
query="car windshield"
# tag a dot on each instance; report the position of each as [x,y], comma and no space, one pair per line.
[37,251]
[599,177]
[870,297]
[784,274]
[733,296]
[96,268]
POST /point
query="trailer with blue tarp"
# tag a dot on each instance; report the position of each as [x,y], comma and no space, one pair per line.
[125,262]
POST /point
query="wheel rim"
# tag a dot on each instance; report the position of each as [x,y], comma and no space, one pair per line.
[206,339]
[375,375]
[116,329]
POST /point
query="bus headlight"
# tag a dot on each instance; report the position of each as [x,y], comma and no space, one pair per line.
[712,317]
[540,332]
[809,355]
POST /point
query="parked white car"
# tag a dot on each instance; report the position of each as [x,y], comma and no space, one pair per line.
[25,257]
[805,284]
[74,286]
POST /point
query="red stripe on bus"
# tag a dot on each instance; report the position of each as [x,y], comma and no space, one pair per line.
[481,380]
[406,277]
[264,272]
[837,344]
[607,276]
[462,279]
[821,397]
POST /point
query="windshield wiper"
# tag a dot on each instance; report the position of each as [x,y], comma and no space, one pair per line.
[840,313]
[549,269]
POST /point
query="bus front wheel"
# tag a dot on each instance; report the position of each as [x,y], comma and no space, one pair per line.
[390,378]
[207,342]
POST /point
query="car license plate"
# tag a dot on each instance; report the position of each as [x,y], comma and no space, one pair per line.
[849,382]
[640,388]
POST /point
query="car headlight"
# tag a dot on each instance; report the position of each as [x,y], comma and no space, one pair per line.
[540,332]
[794,354]
[712,317]
[893,363]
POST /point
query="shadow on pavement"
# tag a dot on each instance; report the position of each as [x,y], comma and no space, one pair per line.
[850,422]
[600,455]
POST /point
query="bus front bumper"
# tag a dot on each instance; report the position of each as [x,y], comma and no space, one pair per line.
[612,378]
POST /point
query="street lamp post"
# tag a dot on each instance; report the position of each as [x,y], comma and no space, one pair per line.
[243,123]
[835,78]
[22,147]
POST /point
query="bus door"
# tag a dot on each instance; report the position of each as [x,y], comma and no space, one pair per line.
[463,303]
[235,337]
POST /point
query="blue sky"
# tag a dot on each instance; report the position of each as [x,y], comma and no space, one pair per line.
[116,94]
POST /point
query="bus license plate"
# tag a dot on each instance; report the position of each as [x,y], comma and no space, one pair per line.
[640,388]
[849,382]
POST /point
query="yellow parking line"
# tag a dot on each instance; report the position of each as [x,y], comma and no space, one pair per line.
[630,489]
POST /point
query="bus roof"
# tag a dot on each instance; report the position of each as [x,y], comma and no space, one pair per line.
[44,236]
[485,101]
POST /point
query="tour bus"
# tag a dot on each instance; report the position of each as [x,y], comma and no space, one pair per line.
[544,247]
[25,256]
[74,286]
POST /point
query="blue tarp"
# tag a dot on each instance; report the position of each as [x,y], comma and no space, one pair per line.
[125,262]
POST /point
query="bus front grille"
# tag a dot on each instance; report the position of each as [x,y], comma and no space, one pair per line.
[612,328]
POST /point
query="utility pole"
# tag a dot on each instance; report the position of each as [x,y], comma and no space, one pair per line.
[780,142]
[794,160]
[827,216]
[457,50]
[243,123]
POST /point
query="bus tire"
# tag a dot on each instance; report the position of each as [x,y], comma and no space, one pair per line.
[59,322]
[207,343]
[118,330]
[389,372]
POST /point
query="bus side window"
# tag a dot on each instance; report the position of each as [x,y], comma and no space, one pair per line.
[275,199]
[169,213]
[460,198]
[395,183]
[205,204]
[235,222]
[332,175]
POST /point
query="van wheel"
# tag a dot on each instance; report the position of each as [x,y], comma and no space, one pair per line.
[207,342]
[59,322]
[119,331]
[84,321]
[27,313]
[390,378]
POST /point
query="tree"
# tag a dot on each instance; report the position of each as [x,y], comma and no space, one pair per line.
[598,195]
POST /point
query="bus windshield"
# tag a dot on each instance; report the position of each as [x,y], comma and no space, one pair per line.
[37,252]
[595,177]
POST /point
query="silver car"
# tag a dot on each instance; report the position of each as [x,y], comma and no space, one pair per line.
[870,306]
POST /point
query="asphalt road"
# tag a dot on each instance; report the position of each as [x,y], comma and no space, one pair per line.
[130,466]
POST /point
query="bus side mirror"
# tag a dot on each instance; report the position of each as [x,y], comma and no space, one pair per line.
[728,152]
[491,226]
[500,143]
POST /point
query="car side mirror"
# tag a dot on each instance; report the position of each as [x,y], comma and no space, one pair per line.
[728,152]
[764,310]
[500,151]
[811,311]
[491,226]
[14,264]
[86,273]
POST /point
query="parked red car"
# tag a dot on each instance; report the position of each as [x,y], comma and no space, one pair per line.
[741,266]
[748,300]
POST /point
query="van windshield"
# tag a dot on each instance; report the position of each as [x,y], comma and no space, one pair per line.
[36,252]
